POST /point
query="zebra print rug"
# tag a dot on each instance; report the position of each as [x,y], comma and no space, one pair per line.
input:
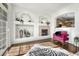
[45,52]
[42,51]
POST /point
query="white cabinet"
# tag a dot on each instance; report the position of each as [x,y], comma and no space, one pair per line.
[24,30]
[3,27]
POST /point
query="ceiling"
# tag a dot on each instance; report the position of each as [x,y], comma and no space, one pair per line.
[42,8]
[70,15]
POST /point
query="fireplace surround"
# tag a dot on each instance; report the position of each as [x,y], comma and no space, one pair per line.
[44,30]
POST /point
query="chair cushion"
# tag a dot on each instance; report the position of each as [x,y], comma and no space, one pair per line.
[58,33]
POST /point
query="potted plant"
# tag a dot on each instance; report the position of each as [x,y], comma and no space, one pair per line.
[76,39]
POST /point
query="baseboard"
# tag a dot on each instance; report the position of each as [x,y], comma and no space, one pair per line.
[36,41]
[29,39]
[32,41]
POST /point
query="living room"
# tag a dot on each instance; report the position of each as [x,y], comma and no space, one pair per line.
[28,25]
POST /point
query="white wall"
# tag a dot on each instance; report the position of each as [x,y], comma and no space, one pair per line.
[35,17]
[70,8]
[73,31]
[11,23]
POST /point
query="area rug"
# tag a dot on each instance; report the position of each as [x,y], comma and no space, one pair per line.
[39,50]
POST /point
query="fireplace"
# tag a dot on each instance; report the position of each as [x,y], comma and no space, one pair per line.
[44,30]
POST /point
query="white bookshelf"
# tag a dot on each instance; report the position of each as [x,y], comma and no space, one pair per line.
[43,25]
[3,27]
[27,26]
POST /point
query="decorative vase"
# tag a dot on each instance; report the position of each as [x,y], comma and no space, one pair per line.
[47,23]
[29,21]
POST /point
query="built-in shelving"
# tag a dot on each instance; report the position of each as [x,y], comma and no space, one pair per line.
[3,28]
[24,28]
[25,23]
[24,31]
[44,26]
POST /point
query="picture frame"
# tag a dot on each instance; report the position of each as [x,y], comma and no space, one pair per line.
[66,20]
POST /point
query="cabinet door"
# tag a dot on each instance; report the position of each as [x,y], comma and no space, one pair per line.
[3,32]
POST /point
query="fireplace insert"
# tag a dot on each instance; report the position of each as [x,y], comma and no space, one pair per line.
[44,32]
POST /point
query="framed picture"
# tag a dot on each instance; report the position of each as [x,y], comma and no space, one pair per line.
[65,20]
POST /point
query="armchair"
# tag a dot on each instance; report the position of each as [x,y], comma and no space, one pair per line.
[60,36]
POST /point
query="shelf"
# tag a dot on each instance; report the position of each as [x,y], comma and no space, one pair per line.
[25,23]
[25,38]
[24,30]
[43,24]
[29,23]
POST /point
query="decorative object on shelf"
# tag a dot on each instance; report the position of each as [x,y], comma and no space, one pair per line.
[20,20]
[43,20]
[17,19]
[47,23]
[26,17]
[29,21]
[21,33]
[66,20]
[26,33]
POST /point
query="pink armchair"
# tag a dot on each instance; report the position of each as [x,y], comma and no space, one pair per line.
[60,36]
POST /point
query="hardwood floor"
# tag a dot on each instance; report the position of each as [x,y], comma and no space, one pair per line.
[23,48]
